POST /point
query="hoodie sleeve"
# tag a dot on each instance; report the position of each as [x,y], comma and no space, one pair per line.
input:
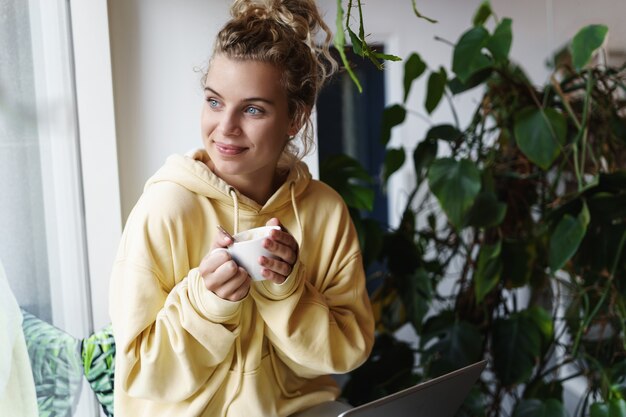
[320,319]
[172,335]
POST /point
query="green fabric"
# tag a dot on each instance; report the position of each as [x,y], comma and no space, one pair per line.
[59,362]
[98,354]
[57,369]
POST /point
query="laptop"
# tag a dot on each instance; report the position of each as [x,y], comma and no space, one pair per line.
[437,397]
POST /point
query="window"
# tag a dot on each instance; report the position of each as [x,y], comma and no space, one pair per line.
[42,232]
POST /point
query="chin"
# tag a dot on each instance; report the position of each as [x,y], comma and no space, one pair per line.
[227,167]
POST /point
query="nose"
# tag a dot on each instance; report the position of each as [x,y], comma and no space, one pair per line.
[229,124]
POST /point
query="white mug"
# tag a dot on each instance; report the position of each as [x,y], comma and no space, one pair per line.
[248,248]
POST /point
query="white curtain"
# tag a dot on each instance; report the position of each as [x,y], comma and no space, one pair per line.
[22,218]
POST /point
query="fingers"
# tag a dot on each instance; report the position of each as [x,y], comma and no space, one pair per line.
[275,270]
[281,243]
[284,247]
[273,222]
[223,276]
[235,287]
[213,260]
[222,240]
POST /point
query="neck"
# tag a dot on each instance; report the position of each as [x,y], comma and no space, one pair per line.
[259,191]
[258,188]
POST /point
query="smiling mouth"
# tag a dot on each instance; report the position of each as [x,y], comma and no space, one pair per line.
[229,150]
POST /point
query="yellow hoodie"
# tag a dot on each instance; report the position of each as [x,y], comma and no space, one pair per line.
[183,351]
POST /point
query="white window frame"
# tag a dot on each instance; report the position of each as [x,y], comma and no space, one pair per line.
[98,147]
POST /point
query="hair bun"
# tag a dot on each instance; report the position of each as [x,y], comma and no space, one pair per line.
[300,16]
[259,9]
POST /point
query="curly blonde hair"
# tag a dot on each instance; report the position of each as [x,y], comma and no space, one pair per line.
[282,33]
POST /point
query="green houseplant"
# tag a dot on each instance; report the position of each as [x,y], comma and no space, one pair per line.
[524,219]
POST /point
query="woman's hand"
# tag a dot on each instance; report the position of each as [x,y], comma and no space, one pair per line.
[285,248]
[221,274]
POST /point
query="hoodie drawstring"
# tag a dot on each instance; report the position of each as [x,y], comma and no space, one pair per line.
[292,189]
[239,359]
[233,195]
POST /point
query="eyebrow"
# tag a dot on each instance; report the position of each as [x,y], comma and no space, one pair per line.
[248,99]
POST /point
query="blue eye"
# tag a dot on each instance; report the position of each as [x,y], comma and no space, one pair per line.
[212,102]
[253,111]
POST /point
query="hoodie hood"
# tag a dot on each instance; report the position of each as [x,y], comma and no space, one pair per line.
[191,172]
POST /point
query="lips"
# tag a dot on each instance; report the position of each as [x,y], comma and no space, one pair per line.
[229,150]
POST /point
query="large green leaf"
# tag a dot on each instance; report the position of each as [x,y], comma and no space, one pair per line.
[423,156]
[348,177]
[540,134]
[488,270]
[445,132]
[566,238]
[414,67]
[487,210]
[416,293]
[392,116]
[450,345]
[394,159]
[500,42]
[344,166]
[516,344]
[456,185]
[543,321]
[436,84]
[585,43]
[468,57]
[537,408]
[456,86]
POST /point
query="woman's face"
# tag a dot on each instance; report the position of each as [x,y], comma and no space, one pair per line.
[245,120]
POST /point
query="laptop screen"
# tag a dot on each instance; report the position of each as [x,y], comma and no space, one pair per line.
[437,397]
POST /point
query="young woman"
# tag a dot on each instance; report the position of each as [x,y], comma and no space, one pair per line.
[195,335]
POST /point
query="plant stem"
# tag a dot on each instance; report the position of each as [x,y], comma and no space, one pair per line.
[564,100]
[447,42]
[553,368]
[572,376]
[586,105]
[453,109]
[576,166]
